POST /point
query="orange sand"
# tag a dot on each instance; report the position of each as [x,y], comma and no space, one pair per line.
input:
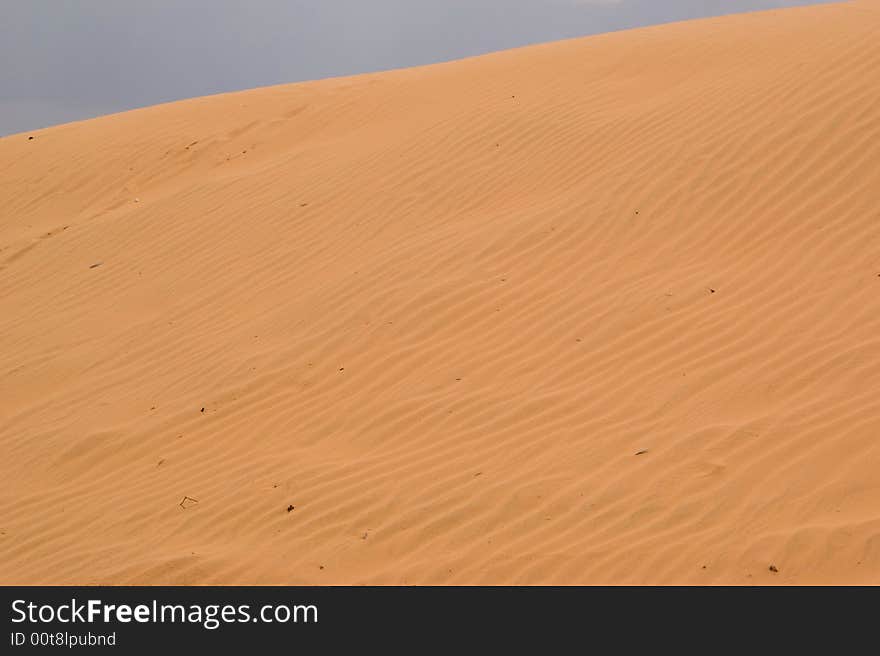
[440,310]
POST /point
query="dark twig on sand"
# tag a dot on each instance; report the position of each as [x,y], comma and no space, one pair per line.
[183,501]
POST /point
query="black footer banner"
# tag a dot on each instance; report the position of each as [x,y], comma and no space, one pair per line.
[145,619]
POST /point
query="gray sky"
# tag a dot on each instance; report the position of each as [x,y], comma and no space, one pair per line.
[64,60]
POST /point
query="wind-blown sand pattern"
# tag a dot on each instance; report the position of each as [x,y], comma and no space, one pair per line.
[598,311]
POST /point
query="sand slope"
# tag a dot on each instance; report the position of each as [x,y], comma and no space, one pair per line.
[440,310]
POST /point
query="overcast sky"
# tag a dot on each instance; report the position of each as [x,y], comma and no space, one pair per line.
[63,60]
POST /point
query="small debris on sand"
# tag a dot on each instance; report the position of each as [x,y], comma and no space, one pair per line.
[185,500]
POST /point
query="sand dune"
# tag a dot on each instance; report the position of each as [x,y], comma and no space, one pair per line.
[598,311]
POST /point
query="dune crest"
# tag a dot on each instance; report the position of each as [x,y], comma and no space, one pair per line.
[598,311]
